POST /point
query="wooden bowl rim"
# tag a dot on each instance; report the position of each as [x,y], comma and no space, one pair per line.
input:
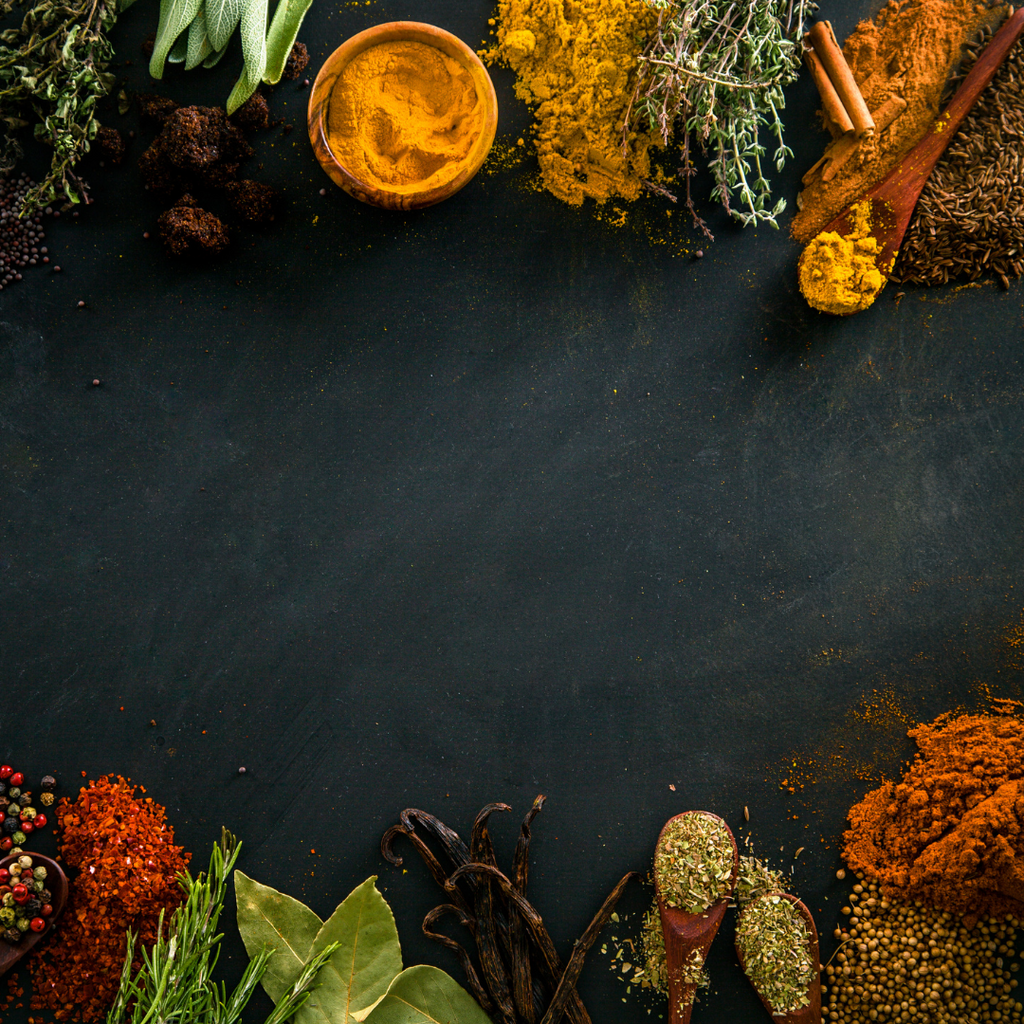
[335,64]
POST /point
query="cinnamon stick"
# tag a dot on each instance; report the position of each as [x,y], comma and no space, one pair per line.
[823,39]
[830,101]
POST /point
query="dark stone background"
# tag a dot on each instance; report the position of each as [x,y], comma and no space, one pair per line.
[486,501]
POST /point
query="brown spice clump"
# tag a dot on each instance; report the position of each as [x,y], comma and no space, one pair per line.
[901,60]
[123,849]
[254,114]
[188,230]
[950,833]
[296,62]
[156,108]
[111,145]
[252,201]
[197,146]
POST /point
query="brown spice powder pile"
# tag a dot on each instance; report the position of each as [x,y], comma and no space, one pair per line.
[950,833]
[970,218]
[127,863]
[906,54]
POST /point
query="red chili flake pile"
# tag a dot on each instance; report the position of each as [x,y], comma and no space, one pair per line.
[127,863]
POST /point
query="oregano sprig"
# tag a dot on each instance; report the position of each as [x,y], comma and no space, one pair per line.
[53,68]
[714,70]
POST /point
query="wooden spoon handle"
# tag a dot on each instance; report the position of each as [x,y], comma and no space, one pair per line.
[904,184]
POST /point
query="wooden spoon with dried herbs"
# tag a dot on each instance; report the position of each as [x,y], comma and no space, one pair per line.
[695,866]
[777,946]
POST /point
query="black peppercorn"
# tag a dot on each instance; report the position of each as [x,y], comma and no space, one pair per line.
[12,935]
[45,896]
[3,787]
[25,799]
[11,825]
[4,801]
[34,907]
[48,783]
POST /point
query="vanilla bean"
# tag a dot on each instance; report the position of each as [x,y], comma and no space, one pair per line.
[472,978]
[433,865]
[571,974]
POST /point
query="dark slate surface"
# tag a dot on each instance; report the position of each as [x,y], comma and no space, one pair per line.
[488,501]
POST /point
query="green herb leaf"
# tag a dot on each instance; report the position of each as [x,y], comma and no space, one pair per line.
[254,49]
[368,959]
[281,38]
[179,51]
[426,995]
[270,919]
[214,59]
[175,17]
[222,17]
[199,47]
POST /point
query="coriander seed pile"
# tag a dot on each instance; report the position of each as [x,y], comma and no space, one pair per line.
[694,861]
[917,965]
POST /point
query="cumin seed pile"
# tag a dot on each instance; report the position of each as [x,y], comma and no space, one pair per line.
[969,220]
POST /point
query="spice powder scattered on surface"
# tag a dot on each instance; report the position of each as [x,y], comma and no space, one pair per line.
[576,62]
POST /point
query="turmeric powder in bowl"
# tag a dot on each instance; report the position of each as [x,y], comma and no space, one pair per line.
[404,117]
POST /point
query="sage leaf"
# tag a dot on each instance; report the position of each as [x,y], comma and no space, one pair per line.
[175,17]
[214,58]
[222,17]
[368,959]
[199,47]
[179,51]
[270,919]
[426,995]
[254,50]
[284,28]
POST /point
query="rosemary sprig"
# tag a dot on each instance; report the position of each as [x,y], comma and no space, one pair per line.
[54,67]
[716,70]
[175,980]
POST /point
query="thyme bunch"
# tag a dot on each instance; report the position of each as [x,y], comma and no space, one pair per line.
[54,68]
[175,980]
[716,69]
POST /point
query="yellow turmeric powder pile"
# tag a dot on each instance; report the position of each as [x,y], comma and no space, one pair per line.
[577,61]
[838,273]
[403,116]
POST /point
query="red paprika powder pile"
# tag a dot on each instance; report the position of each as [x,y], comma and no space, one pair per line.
[123,850]
[950,833]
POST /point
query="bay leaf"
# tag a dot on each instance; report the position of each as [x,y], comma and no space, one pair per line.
[271,919]
[222,17]
[284,27]
[426,995]
[365,965]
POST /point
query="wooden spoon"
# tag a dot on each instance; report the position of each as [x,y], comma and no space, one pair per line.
[57,883]
[811,1013]
[686,932]
[894,198]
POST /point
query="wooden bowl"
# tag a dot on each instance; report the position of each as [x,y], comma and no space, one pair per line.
[57,883]
[319,106]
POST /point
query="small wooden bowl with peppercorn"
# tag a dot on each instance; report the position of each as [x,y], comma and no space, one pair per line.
[34,893]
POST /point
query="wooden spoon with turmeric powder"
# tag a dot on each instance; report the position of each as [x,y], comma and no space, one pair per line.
[848,263]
